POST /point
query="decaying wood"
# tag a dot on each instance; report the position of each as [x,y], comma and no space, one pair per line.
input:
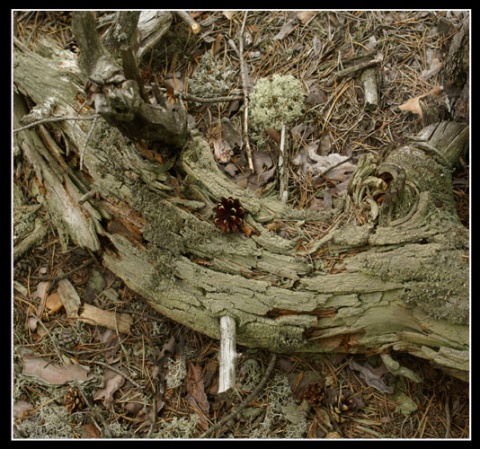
[402,278]
[228,353]
[117,96]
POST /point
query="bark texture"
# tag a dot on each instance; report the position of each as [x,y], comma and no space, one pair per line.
[401,279]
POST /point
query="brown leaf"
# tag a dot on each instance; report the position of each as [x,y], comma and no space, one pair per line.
[113,381]
[53,303]
[413,105]
[21,409]
[229,14]
[373,377]
[52,373]
[90,430]
[196,389]
[305,16]
[286,29]
[69,297]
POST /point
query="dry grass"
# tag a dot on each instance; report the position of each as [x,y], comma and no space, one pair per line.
[157,373]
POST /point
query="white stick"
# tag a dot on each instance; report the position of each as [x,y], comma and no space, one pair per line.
[228,355]
[282,165]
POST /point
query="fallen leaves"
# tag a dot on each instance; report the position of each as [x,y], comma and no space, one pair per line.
[197,397]
[413,105]
[374,377]
[53,373]
[113,381]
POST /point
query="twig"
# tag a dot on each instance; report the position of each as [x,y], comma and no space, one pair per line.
[228,353]
[351,70]
[49,120]
[245,402]
[191,97]
[245,94]
[195,27]
[283,166]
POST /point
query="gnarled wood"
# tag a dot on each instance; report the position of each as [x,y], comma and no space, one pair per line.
[401,280]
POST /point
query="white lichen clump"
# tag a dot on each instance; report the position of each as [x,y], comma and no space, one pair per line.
[275,101]
[176,372]
[211,78]
[281,413]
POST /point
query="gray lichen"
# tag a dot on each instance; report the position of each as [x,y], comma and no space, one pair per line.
[275,101]
[211,78]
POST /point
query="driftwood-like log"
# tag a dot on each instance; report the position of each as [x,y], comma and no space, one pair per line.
[117,95]
[401,279]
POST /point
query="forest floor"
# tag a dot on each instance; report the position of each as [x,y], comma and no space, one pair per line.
[158,379]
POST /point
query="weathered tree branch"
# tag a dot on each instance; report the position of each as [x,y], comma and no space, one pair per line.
[117,96]
[401,275]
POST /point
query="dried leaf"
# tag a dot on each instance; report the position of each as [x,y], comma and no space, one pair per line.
[229,14]
[217,44]
[52,373]
[413,105]
[90,431]
[21,409]
[53,303]
[196,389]
[113,381]
[306,16]
[435,67]
[41,294]
[372,377]
[286,29]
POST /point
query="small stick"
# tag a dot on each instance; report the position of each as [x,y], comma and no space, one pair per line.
[50,120]
[351,70]
[191,97]
[245,94]
[187,18]
[369,80]
[283,166]
[228,353]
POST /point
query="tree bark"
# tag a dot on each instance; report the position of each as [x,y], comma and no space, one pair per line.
[387,276]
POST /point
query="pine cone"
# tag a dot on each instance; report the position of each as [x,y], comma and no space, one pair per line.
[229,215]
[313,393]
[73,400]
[343,404]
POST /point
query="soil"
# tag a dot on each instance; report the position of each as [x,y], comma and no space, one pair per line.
[159,379]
